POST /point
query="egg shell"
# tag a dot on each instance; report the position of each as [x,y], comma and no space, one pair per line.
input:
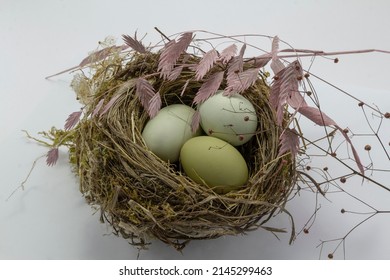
[214,162]
[232,119]
[166,133]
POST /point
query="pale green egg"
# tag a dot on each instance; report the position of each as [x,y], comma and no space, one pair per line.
[166,133]
[232,119]
[214,162]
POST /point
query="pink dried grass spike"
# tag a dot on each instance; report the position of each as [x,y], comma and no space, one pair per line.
[144,92]
[72,120]
[134,43]
[98,107]
[276,64]
[228,53]
[209,87]
[92,58]
[110,103]
[154,105]
[242,81]
[172,52]
[52,156]
[195,122]
[289,142]
[205,64]
[285,85]
[175,73]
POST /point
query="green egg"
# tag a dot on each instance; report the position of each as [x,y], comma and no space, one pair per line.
[166,133]
[214,162]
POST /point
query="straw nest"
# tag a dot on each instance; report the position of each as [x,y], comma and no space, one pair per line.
[145,198]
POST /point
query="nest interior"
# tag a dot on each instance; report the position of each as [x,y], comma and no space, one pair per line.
[145,198]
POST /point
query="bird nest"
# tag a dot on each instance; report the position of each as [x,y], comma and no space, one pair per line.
[144,197]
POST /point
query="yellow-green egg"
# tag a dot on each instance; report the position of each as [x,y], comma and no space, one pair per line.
[214,162]
[230,118]
[166,133]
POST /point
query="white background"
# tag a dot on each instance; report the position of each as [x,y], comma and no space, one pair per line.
[50,219]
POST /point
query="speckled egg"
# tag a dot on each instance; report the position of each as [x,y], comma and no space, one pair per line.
[232,119]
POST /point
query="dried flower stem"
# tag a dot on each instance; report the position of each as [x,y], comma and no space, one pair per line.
[349,167]
[21,186]
[36,139]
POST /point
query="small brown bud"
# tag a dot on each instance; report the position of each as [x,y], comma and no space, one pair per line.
[308,167]
[246,118]
[336,60]
[330,256]
[346,130]
[325,168]
[299,78]
[342,211]
[367,147]
[308,93]
[211,131]
[307,75]
[305,231]
[361,104]
[343,180]
[387,115]
[332,133]
[333,154]
[276,77]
